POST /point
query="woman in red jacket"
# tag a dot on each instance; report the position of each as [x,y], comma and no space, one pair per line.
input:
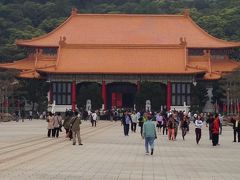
[215,131]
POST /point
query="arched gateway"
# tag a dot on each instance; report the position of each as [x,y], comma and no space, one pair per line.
[110,49]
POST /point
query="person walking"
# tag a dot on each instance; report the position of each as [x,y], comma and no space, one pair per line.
[165,129]
[210,125]
[30,115]
[126,121]
[140,123]
[236,128]
[184,126]
[75,127]
[215,131]
[22,115]
[134,120]
[57,123]
[50,126]
[220,123]
[66,124]
[171,127]
[159,119]
[149,134]
[94,119]
[198,128]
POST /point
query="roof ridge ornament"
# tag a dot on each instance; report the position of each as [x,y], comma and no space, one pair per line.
[186,12]
[62,41]
[183,41]
[74,11]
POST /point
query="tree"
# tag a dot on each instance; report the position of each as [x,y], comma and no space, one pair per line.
[90,91]
[199,97]
[35,91]
[218,94]
[155,92]
[8,85]
[231,86]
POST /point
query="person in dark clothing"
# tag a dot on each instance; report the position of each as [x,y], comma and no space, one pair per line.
[66,124]
[210,125]
[236,128]
[140,124]
[22,115]
[165,129]
[126,121]
[184,126]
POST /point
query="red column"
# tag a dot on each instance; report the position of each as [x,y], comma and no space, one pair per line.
[169,95]
[138,86]
[104,94]
[74,96]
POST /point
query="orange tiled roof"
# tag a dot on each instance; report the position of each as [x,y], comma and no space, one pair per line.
[30,63]
[121,59]
[30,74]
[129,29]
[218,66]
[224,65]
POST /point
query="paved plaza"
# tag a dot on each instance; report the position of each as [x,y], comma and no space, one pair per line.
[27,154]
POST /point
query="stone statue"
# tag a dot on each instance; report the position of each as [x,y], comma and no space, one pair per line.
[88,105]
[148,105]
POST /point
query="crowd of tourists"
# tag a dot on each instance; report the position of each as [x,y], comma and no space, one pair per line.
[150,124]
[71,123]
[168,124]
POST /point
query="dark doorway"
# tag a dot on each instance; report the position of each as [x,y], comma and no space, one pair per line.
[121,95]
[128,100]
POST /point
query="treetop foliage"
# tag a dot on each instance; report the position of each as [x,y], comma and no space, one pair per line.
[24,19]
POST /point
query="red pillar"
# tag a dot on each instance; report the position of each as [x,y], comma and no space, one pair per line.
[74,96]
[169,95]
[138,86]
[104,94]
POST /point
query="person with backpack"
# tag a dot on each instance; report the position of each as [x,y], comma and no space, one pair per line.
[75,127]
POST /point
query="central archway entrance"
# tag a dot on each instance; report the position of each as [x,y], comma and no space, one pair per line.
[121,95]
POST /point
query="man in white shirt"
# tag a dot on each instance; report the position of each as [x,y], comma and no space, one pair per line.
[134,117]
[94,119]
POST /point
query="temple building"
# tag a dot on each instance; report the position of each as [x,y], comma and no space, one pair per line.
[119,51]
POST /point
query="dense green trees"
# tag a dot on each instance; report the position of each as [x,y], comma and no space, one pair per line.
[199,97]
[23,19]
